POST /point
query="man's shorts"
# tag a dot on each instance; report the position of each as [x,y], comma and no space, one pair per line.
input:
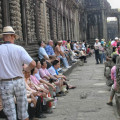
[9,90]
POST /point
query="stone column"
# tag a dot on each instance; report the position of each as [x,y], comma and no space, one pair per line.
[24,21]
[76,27]
[45,19]
[51,25]
[118,19]
[104,20]
[42,21]
[0,17]
[15,18]
[6,15]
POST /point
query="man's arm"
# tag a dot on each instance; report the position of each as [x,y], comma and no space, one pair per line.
[47,83]
[30,66]
[46,58]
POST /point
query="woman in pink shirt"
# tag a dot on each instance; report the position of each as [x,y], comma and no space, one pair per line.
[37,84]
[114,44]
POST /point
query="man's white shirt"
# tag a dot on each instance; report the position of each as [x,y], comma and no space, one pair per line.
[12,57]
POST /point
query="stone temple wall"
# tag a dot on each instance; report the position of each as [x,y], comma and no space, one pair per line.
[35,20]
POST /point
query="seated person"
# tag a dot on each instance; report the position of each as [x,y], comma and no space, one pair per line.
[42,54]
[76,48]
[37,75]
[115,51]
[71,52]
[89,51]
[53,71]
[44,73]
[49,50]
[66,51]
[60,54]
[113,77]
[31,89]
[2,115]
[83,55]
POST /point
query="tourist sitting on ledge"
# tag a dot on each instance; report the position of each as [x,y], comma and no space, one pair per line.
[60,54]
[113,77]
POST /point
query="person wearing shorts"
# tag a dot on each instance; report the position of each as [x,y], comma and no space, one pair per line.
[12,85]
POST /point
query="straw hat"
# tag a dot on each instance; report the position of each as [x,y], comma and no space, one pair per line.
[60,41]
[9,30]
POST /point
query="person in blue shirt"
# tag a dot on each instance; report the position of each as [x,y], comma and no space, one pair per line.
[49,49]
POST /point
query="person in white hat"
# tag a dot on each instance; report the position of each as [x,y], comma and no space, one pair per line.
[97,46]
[114,44]
[12,58]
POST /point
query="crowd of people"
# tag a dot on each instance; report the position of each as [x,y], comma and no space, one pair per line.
[29,88]
[109,52]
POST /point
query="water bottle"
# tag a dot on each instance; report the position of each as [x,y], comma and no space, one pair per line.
[55,101]
[32,105]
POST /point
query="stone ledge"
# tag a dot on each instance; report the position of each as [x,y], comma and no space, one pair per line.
[117,99]
[68,71]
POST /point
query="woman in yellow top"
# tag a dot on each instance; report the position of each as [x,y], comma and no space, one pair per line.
[68,45]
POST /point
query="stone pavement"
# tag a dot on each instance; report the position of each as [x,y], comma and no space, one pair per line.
[88,100]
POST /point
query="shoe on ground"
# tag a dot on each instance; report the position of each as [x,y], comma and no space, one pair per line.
[58,95]
[68,67]
[41,116]
[72,87]
[59,69]
[110,103]
[48,111]
[63,93]
[53,107]
[49,99]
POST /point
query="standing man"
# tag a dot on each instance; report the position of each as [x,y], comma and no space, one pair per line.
[97,46]
[12,58]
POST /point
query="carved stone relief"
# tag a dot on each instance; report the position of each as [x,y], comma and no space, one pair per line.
[30,16]
[15,17]
[48,23]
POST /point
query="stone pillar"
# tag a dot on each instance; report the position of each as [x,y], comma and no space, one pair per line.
[24,21]
[48,23]
[0,17]
[6,15]
[30,21]
[76,27]
[66,23]
[104,21]
[118,19]
[15,17]
[42,21]
[59,27]
[53,25]
[45,19]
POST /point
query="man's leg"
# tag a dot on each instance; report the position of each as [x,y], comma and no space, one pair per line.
[7,95]
[101,57]
[21,99]
[111,96]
